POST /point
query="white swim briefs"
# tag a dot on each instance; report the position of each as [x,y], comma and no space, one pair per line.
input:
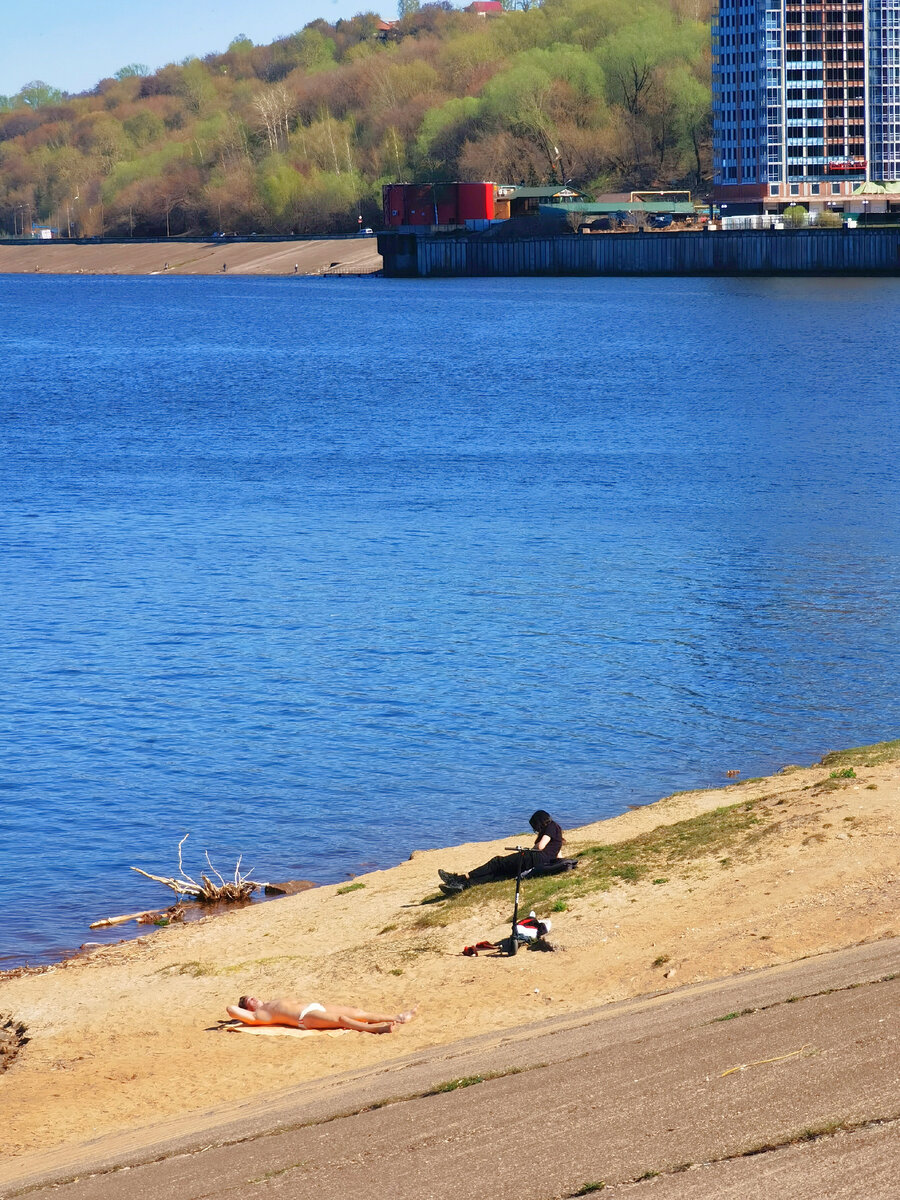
[311,1008]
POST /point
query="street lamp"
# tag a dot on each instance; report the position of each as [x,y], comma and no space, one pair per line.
[865,205]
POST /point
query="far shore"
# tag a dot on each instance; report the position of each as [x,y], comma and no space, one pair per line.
[808,864]
[327,256]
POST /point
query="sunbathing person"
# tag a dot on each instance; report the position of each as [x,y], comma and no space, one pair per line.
[314,1016]
[547,845]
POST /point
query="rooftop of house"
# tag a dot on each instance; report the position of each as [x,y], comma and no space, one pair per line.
[515,191]
[596,209]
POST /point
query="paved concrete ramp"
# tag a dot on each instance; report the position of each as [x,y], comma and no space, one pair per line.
[777,1083]
[177,257]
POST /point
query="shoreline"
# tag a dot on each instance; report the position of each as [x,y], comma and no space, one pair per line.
[132,933]
[319,257]
[133,930]
[810,865]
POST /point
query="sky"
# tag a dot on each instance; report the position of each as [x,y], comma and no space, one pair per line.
[73,44]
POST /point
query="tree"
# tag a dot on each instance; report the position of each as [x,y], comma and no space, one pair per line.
[314,51]
[520,99]
[38,94]
[196,85]
[407,7]
[690,101]
[144,127]
[457,112]
[795,216]
[273,108]
[601,92]
[826,219]
[132,71]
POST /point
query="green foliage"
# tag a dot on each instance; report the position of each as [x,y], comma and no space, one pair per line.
[144,127]
[196,85]
[453,1085]
[457,111]
[350,887]
[846,773]
[300,134]
[132,71]
[38,94]
[795,215]
[150,166]
[864,756]
[314,51]
[281,188]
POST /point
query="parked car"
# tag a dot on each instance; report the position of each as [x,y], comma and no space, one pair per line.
[367,232]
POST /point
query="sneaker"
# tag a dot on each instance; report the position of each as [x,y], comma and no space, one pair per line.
[452,889]
[451,878]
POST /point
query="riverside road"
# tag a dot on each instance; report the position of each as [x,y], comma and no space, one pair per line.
[783,1082]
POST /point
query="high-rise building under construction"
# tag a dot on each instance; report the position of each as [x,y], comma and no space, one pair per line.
[806,100]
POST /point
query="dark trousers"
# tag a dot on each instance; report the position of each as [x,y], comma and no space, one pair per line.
[505,866]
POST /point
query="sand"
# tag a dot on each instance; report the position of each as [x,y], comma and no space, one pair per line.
[333,256]
[129,1034]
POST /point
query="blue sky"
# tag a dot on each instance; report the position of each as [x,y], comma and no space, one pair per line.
[72,44]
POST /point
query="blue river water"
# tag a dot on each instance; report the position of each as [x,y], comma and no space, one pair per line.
[324,571]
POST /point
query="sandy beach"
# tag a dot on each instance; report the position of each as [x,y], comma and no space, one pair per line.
[176,257]
[803,862]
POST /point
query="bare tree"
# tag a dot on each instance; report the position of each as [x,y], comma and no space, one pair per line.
[274,108]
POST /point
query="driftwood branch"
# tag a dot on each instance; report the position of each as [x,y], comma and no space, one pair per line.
[213,869]
[206,892]
[121,920]
[151,916]
[181,870]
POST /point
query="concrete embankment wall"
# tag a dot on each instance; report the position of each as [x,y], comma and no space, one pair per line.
[321,256]
[756,252]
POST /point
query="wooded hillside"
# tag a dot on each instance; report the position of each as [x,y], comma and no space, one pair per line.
[299,136]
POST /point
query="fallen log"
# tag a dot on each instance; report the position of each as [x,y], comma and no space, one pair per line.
[107,921]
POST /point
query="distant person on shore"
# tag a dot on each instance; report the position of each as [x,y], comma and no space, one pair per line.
[545,851]
[314,1016]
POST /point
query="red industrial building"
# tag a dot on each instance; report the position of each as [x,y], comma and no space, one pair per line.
[437,203]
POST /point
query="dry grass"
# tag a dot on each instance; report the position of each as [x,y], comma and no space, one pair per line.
[864,756]
[676,849]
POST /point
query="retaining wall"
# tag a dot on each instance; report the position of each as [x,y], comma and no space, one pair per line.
[732,252]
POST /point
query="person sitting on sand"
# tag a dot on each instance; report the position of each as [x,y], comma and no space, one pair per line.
[547,845]
[314,1016]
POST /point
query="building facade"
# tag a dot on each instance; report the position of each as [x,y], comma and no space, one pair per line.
[806,100]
